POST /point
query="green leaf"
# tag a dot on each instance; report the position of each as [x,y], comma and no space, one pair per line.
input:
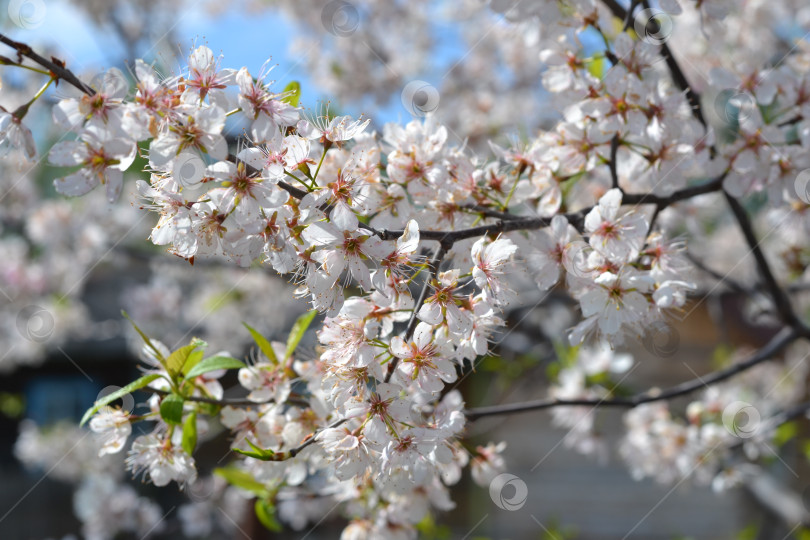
[210,409]
[293,93]
[171,409]
[12,404]
[193,359]
[429,529]
[214,363]
[109,398]
[566,354]
[596,66]
[242,480]
[298,330]
[190,433]
[258,453]
[178,359]
[785,433]
[263,344]
[146,339]
[266,512]
[750,532]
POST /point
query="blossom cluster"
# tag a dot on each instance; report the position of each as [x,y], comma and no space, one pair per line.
[322,199]
[374,420]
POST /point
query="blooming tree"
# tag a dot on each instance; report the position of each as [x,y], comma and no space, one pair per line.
[408,251]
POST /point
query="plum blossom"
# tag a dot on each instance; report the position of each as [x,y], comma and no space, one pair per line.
[618,236]
[341,249]
[163,460]
[614,303]
[488,463]
[267,113]
[336,130]
[204,74]
[423,360]
[443,305]
[14,134]
[489,260]
[349,452]
[113,427]
[201,130]
[102,156]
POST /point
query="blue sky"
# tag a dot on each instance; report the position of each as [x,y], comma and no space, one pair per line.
[245,38]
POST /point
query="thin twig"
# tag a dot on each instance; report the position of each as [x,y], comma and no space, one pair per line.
[297,450]
[57,67]
[721,278]
[780,298]
[434,264]
[614,148]
[774,346]
[233,402]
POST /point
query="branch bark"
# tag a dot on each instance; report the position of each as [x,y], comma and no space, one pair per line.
[777,343]
[56,67]
[434,264]
[779,296]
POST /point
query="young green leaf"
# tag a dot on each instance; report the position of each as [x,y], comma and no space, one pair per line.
[193,359]
[258,453]
[214,363]
[189,442]
[146,339]
[109,398]
[266,512]
[298,331]
[263,344]
[293,93]
[242,480]
[171,409]
[596,66]
[178,359]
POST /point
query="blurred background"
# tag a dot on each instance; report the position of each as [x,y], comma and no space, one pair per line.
[68,268]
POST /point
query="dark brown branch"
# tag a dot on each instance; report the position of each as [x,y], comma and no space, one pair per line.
[774,346]
[780,298]
[57,68]
[678,196]
[675,70]
[774,496]
[434,264]
[730,283]
[266,455]
[680,80]
[778,499]
[446,237]
[616,8]
[614,148]
[233,402]
[297,450]
[489,212]
[628,18]
[575,218]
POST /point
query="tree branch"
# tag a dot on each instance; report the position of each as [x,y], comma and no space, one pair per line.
[780,501]
[721,278]
[297,450]
[56,67]
[614,148]
[774,346]
[489,212]
[233,402]
[780,299]
[441,251]
[448,238]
